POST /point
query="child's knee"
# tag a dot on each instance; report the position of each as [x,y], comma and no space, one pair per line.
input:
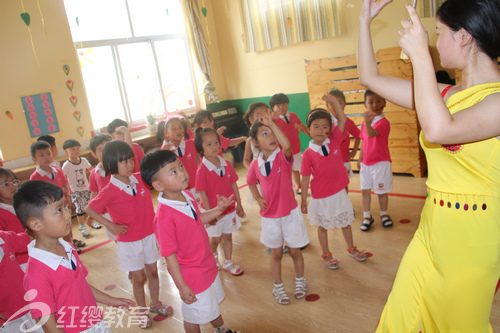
[138,278]
[227,237]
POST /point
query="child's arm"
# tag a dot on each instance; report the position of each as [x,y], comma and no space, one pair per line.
[305,189]
[186,293]
[67,193]
[266,119]
[260,200]
[114,228]
[354,150]
[302,128]
[247,156]
[239,208]
[368,118]
[237,141]
[126,135]
[51,325]
[188,123]
[3,317]
[337,110]
[360,159]
[222,204]
[206,205]
[110,300]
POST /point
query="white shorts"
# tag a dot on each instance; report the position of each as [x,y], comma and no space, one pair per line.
[348,169]
[377,177]
[226,225]
[109,234]
[100,327]
[290,228]
[132,256]
[334,211]
[196,195]
[22,324]
[206,308]
[297,162]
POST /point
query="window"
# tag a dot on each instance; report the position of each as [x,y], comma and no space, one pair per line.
[134,57]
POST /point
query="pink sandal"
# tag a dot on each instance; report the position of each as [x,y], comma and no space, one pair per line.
[164,310]
[233,269]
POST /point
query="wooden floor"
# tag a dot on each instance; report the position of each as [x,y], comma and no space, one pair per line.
[351,298]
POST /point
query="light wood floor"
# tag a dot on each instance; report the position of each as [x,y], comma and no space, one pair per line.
[351,298]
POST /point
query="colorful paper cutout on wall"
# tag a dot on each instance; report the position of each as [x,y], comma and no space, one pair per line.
[9,114]
[69,84]
[77,115]
[66,69]
[80,130]
[73,100]
[26,18]
[40,114]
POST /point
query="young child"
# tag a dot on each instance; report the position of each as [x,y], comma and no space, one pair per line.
[14,309]
[350,130]
[179,226]
[41,153]
[215,177]
[290,124]
[75,169]
[118,129]
[330,206]
[281,217]
[171,133]
[128,202]
[98,178]
[52,142]
[204,119]
[54,270]
[8,219]
[374,160]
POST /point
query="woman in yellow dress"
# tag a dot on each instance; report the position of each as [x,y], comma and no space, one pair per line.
[447,278]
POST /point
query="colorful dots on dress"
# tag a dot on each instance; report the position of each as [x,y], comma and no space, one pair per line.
[466,207]
[474,207]
[457,205]
[449,204]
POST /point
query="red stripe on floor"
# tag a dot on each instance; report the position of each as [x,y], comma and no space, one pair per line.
[95,246]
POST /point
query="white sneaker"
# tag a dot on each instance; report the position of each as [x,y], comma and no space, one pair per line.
[83,230]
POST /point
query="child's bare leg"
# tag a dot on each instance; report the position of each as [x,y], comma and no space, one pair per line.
[276,255]
[383,200]
[214,243]
[81,219]
[138,280]
[191,328]
[296,178]
[347,233]
[153,283]
[218,322]
[323,241]
[366,199]
[298,261]
[228,246]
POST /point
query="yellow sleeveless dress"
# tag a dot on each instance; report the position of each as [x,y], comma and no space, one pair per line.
[447,278]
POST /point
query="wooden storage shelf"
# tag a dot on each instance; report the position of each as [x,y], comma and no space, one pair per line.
[342,73]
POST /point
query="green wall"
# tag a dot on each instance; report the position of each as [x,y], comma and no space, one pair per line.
[299,104]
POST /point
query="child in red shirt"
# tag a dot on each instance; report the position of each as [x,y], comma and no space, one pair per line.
[290,124]
[216,176]
[118,129]
[375,160]
[55,276]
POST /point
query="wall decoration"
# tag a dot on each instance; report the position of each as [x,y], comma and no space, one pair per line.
[80,130]
[77,115]
[69,84]
[41,16]
[9,114]
[40,114]
[27,20]
[66,69]
[73,100]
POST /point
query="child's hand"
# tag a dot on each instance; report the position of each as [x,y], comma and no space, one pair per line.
[239,210]
[121,132]
[328,98]
[358,164]
[3,317]
[262,203]
[266,119]
[213,222]
[351,154]
[221,130]
[89,221]
[169,146]
[122,302]
[223,202]
[117,229]
[187,295]
[304,207]
[368,117]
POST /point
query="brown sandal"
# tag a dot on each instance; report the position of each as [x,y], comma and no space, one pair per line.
[367,223]
[387,223]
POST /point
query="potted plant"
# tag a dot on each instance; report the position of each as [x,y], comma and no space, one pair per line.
[152,126]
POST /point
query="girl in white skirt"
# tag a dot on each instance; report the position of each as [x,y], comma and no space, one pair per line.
[330,206]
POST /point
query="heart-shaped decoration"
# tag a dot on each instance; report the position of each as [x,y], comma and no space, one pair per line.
[69,84]
[26,18]
[77,115]
[73,100]
[80,130]
[66,69]
[204,11]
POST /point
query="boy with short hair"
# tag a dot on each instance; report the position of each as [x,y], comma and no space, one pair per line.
[75,169]
[179,227]
[41,153]
[118,129]
[375,160]
[52,142]
[290,124]
[54,269]
[98,178]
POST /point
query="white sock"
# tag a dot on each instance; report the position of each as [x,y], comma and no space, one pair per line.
[367,215]
[382,214]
